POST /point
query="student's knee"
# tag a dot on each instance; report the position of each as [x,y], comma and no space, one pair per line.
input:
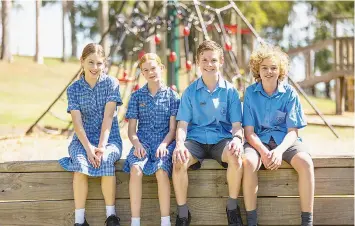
[251,163]
[136,172]
[302,162]
[80,176]
[161,174]
[234,161]
[179,167]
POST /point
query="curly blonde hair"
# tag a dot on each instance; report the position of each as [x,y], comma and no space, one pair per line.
[264,52]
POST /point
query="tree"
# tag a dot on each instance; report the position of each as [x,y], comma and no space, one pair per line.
[104,23]
[72,10]
[64,11]
[6,40]
[38,55]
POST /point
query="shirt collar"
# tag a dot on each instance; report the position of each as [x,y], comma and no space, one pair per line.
[221,83]
[280,88]
[100,79]
[145,89]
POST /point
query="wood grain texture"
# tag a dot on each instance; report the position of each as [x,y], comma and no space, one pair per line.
[272,211]
[283,182]
[53,166]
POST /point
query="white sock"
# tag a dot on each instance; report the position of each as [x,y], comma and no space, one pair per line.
[79,216]
[135,221]
[165,221]
[110,210]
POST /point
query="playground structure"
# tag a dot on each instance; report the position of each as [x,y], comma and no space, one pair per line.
[342,69]
[175,29]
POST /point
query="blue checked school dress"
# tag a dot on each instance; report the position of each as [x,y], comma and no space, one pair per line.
[153,114]
[91,104]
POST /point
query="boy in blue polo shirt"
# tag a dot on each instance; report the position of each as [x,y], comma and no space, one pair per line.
[272,115]
[209,127]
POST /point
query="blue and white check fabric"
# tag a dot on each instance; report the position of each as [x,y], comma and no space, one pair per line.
[91,103]
[153,114]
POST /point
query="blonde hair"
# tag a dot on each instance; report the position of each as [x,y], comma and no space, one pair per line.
[90,49]
[264,52]
[150,56]
[209,45]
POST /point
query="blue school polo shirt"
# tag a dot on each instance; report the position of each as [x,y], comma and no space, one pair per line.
[210,114]
[271,116]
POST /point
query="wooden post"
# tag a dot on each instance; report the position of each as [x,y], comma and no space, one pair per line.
[339,95]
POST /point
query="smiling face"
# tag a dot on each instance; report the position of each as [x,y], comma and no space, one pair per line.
[269,71]
[93,65]
[152,71]
[209,63]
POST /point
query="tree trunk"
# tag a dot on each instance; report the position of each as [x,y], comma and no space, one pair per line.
[6,40]
[74,43]
[104,24]
[38,55]
[64,10]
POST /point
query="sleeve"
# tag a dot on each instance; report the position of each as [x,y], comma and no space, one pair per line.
[73,102]
[235,110]
[248,117]
[114,92]
[132,111]
[185,108]
[174,103]
[295,116]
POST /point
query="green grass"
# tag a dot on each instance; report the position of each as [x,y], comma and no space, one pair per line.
[326,106]
[27,89]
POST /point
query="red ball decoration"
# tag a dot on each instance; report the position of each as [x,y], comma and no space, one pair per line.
[136,87]
[186,31]
[173,87]
[140,54]
[228,46]
[172,57]
[157,39]
[188,65]
[125,74]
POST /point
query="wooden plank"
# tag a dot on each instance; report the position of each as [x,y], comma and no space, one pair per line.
[283,182]
[271,211]
[317,46]
[53,166]
[326,77]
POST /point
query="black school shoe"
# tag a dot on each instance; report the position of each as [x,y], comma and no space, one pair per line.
[183,221]
[234,217]
[112,220]
[84,224]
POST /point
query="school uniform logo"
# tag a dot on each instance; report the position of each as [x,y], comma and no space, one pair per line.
[223,110]
[279,117]
[142,104]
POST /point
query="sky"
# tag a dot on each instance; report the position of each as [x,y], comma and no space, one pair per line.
[23,32]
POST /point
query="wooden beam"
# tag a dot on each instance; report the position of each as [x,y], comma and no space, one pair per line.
[283,182]
[317,46]
[325,78]
[271,211]
[53,166]
[340,95]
